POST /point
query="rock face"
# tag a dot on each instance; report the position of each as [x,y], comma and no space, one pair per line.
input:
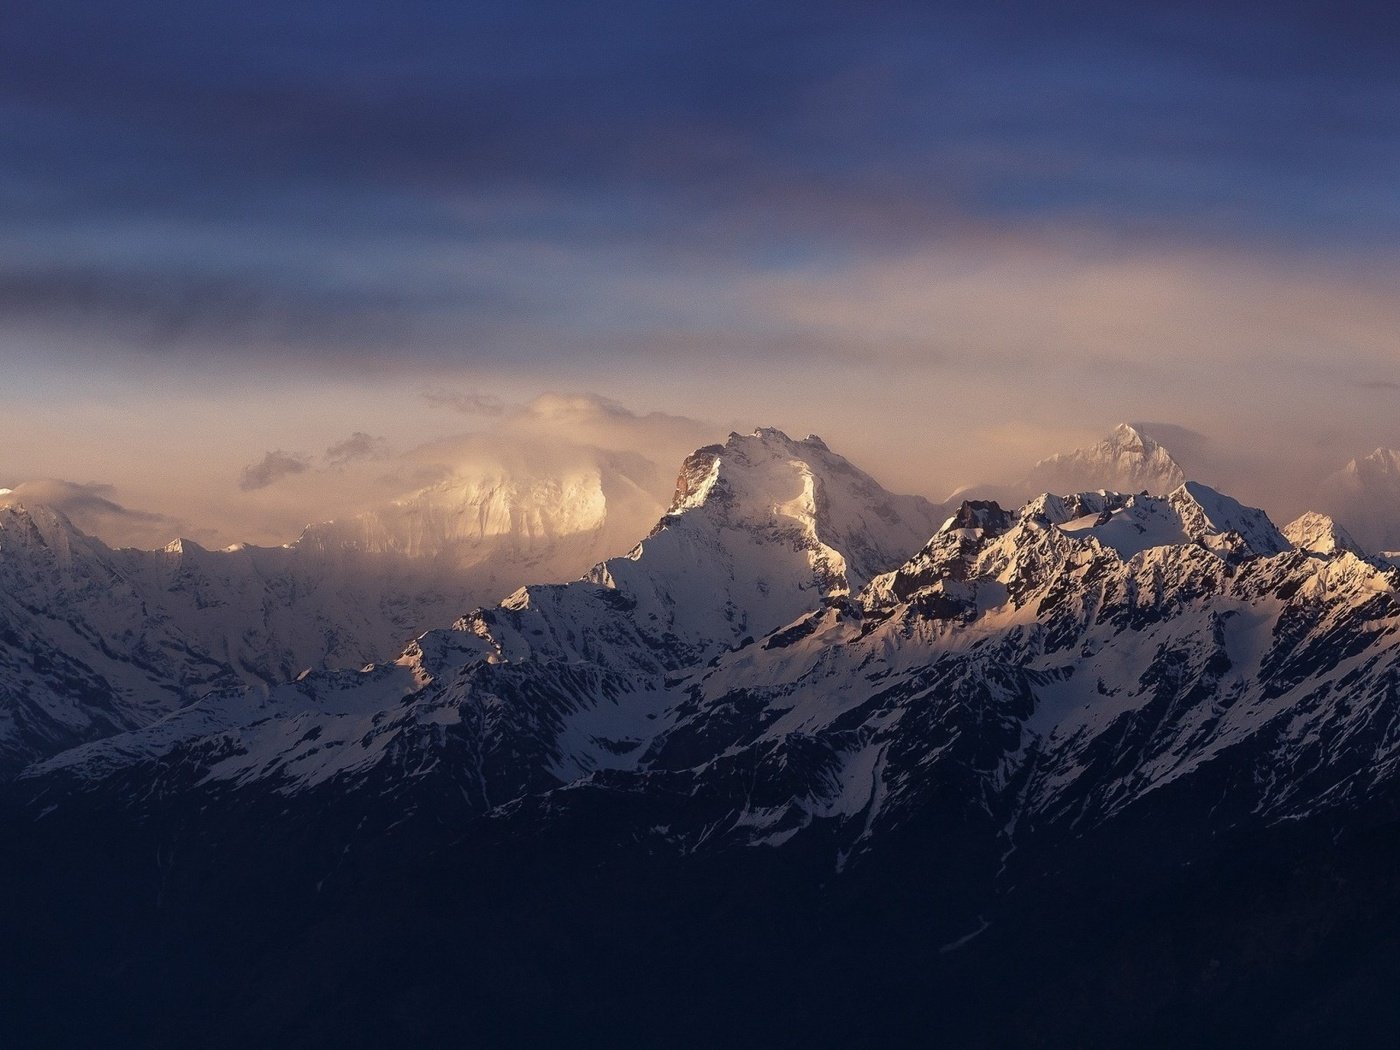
[800,719]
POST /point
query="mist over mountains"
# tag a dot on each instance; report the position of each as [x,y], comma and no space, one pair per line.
[468,493]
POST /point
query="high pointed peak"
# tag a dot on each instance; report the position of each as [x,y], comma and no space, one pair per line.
[1209,515]
[759,464]
[774,437]
[183,545]
[1129,432]
[766,435]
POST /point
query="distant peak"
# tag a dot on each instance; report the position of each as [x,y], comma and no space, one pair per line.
[1126,460]
[1382,460]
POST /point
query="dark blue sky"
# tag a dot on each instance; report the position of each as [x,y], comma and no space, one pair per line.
[1056,215]
[175,172]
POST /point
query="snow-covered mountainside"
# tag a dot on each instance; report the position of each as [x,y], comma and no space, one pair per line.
[1087,647]
[1364,496]
[1320,534]
[95,641]
[762,530]
[1080,651]
[796,691]
[99,641]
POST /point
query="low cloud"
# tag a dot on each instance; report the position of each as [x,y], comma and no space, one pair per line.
[588,418]
[92,509]
[272,467]
[72,497]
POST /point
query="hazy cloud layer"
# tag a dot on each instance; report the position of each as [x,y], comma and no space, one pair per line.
[549,435]
[950,238]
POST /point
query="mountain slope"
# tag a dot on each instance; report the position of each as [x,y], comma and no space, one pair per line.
[101,641]
[95,641]
[762,530]
[783,738]
[1174,606]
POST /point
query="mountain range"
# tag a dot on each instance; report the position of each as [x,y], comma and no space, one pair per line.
[810,764]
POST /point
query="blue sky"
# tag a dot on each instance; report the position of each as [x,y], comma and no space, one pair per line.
[895,200]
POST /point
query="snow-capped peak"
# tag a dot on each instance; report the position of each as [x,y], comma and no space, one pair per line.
[761,530]
[1215,519]
[181,545]
[769,483]
[1320,534]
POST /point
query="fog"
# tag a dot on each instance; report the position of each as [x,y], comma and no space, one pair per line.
[933,370]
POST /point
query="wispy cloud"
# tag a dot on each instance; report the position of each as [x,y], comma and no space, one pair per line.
[274,466]
[356,447]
